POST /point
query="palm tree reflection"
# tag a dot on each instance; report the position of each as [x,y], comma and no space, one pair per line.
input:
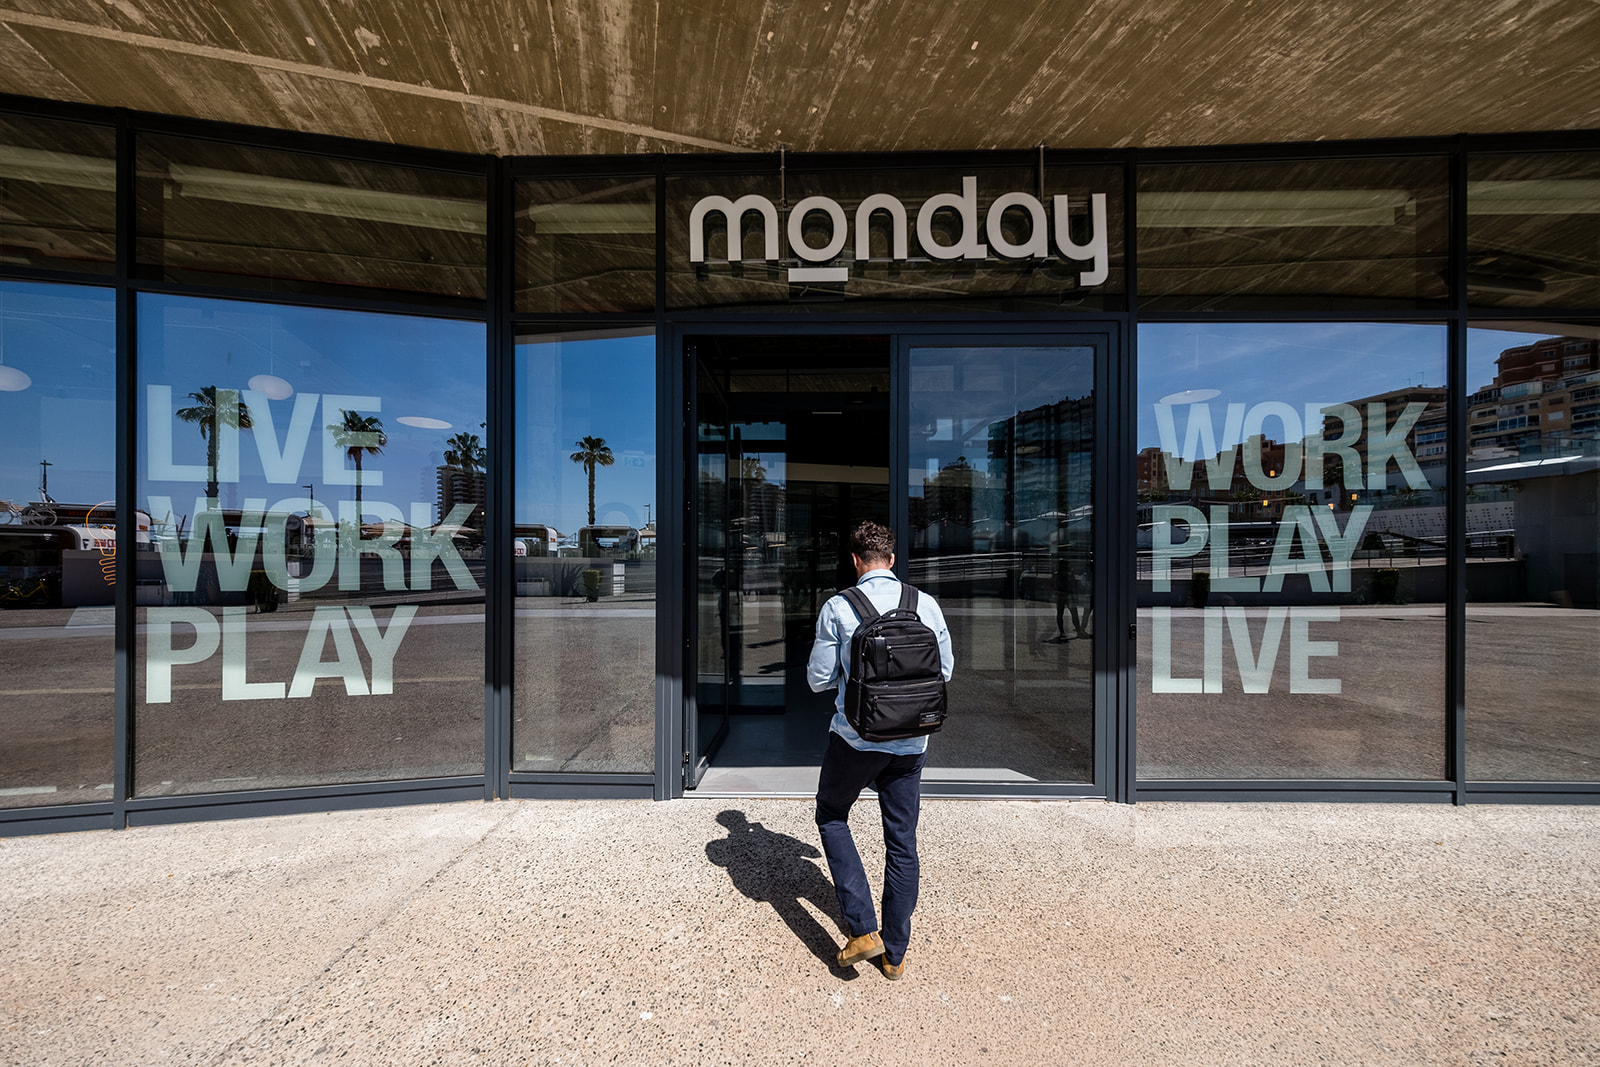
[592,452]
[211,408]
[464,450]
[358,435]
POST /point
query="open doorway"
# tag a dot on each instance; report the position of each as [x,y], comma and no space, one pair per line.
[793,442]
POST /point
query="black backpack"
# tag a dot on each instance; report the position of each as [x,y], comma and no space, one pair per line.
[896,687]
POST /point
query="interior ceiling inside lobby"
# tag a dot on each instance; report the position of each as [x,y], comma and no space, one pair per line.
[526,77]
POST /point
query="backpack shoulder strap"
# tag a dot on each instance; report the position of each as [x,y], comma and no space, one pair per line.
[908,598]
[858,600]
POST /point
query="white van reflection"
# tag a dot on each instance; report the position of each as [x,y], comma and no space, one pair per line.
[597,561]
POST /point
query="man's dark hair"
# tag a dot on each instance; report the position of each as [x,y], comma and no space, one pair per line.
[872,541]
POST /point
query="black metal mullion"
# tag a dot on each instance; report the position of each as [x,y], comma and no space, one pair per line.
[674,488]
[19,273]
[1114,609]
[1456,481]
[196,807]
[500,409]
[127,530]
[1122,584]
[681,745]
[899,451]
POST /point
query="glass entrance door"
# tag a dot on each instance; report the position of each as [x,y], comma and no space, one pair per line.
[792,438]
[986,456]
[1002,463]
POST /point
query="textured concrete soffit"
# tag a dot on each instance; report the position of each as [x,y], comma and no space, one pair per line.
[536,76]
[317,89]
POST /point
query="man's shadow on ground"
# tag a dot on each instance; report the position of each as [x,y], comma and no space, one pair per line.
[771,867]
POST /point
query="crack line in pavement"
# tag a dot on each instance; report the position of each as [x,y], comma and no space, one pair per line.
[238,1044]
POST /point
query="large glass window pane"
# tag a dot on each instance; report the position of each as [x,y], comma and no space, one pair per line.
[288,221]
[585,553]
[314,607]
[586,244]
[1533,230]
[1291,565]
[1001,484]
[1533,541]
[58,203]
[981,238]
[58,551]
[1317,234]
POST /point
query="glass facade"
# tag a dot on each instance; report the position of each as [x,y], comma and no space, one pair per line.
[1533,536]
[59,558]
[1533,229]
[586,245]
[1292,544]
[1340,234]
[584,553]
[337,472]
[312,610]
[298,222]
[58,205]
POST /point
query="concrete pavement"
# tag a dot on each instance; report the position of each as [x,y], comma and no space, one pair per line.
[697,932]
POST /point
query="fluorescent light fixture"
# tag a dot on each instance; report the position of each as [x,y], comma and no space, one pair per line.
[273,386]
[320,198]
[1526,465]
[550,219]
[1274,209]
[818,274]
[422,422]
[58,168]
[1566,196]
[259,190]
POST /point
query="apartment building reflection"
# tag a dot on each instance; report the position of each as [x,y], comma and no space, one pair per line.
[1534,448]
[1534,437]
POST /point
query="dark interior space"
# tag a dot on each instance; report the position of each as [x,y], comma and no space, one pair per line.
[793,449]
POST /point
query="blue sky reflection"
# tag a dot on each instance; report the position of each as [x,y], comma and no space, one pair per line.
[389,366]
[595,386]
[63,338]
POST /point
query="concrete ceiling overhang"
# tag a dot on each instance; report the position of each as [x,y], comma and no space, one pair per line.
[530,77]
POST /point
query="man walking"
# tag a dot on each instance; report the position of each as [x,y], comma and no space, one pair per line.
[892,768]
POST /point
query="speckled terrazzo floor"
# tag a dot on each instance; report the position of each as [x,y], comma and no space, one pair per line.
[695,932]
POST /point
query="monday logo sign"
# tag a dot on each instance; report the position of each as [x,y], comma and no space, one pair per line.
[819,238]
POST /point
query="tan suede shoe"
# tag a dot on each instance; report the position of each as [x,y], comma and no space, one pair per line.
[892,971]
[861,947]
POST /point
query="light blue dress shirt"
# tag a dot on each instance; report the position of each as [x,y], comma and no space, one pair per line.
[829,665]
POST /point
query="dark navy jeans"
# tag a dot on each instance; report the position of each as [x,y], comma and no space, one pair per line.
[846,771]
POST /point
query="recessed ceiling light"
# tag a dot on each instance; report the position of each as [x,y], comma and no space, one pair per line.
[273,386]
[1190,396]
[12,380]
[422,422]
